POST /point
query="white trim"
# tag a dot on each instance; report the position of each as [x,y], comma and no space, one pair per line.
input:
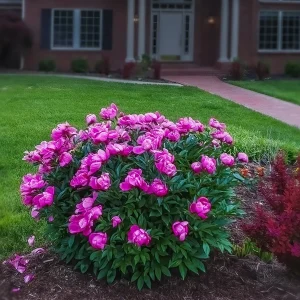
[142,29]
[130,31]
[76,30]
[235,29]
[224,31]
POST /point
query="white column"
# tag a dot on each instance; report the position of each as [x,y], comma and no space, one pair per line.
[130,31]
[235,29]
[142,28]
[224,31]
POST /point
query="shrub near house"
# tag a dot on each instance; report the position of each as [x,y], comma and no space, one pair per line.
[135,195]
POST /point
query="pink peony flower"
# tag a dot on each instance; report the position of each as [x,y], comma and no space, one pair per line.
[173,136]
[15,290]
[180,229]
[216,124]
[109,113]
[207,164]
[119,149]
[50,219]
[35,214]
[28,278]
[98,240]
[223,136]
[134,179]
[158,188]
[243,157]
[84,222]
[81,178]
[65,159]
[63,131]
[86,204]
[164,162]
[32,157]
[44,199]
[31,240]
[18,262]
[148,141]
[185,125]
[90,119]
[98,134]
[116,220]
[102,183]
[138,236]
[227,159]
[196,167]
[201,207]
[128,120]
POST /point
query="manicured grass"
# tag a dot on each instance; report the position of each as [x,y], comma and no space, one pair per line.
[31,106]
[288,90]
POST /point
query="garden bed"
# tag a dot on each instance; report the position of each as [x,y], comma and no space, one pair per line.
[227,277]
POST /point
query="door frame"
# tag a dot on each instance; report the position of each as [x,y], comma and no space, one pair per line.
[185,12]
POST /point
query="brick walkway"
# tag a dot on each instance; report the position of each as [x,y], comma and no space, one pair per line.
[284,111]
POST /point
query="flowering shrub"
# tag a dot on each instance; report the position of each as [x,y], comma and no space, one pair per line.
[135,195]
[275,228]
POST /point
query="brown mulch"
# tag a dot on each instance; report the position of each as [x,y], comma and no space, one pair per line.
[227,278]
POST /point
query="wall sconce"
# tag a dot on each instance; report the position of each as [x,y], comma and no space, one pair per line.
[136,19]
[211,20]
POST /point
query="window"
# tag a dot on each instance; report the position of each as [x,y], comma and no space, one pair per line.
[279,31]
[268,30]
[76,29]
[63,28]
[90,29]
[291,30]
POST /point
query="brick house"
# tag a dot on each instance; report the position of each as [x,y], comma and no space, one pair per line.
[205,33]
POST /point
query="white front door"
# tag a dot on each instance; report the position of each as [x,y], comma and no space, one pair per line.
[170,35]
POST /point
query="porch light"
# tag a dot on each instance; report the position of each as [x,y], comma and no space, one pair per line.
[211,20]
[136,19]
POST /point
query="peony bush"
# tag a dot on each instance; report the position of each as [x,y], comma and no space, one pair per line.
[135,196]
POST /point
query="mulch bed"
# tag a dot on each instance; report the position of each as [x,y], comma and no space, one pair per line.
[227,278]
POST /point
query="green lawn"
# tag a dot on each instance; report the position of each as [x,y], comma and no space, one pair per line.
[31,106]
[288,90]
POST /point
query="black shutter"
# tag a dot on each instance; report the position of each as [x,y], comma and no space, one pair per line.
[45,40]
[107,31]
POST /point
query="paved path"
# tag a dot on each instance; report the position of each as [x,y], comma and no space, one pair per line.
[284,111]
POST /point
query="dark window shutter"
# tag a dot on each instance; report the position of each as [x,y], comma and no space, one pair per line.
[45,40]
[107,31]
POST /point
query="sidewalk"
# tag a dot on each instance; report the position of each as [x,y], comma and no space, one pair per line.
[284,111]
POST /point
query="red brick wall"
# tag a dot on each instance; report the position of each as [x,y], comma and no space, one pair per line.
[249,34]
[63,58]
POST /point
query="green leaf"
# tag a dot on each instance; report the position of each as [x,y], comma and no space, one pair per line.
[95,255]
[166,219]
[199,264]
[147,281]
[206,248]
[103,273]
[238,177]
[71,241]
[84,267]
[165,271]
[157,271]
[183,271]
[190,266]
[111,275]
[140,283]
[135,276]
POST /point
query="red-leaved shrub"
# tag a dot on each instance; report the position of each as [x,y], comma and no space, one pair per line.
[128,70]
[276,227]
